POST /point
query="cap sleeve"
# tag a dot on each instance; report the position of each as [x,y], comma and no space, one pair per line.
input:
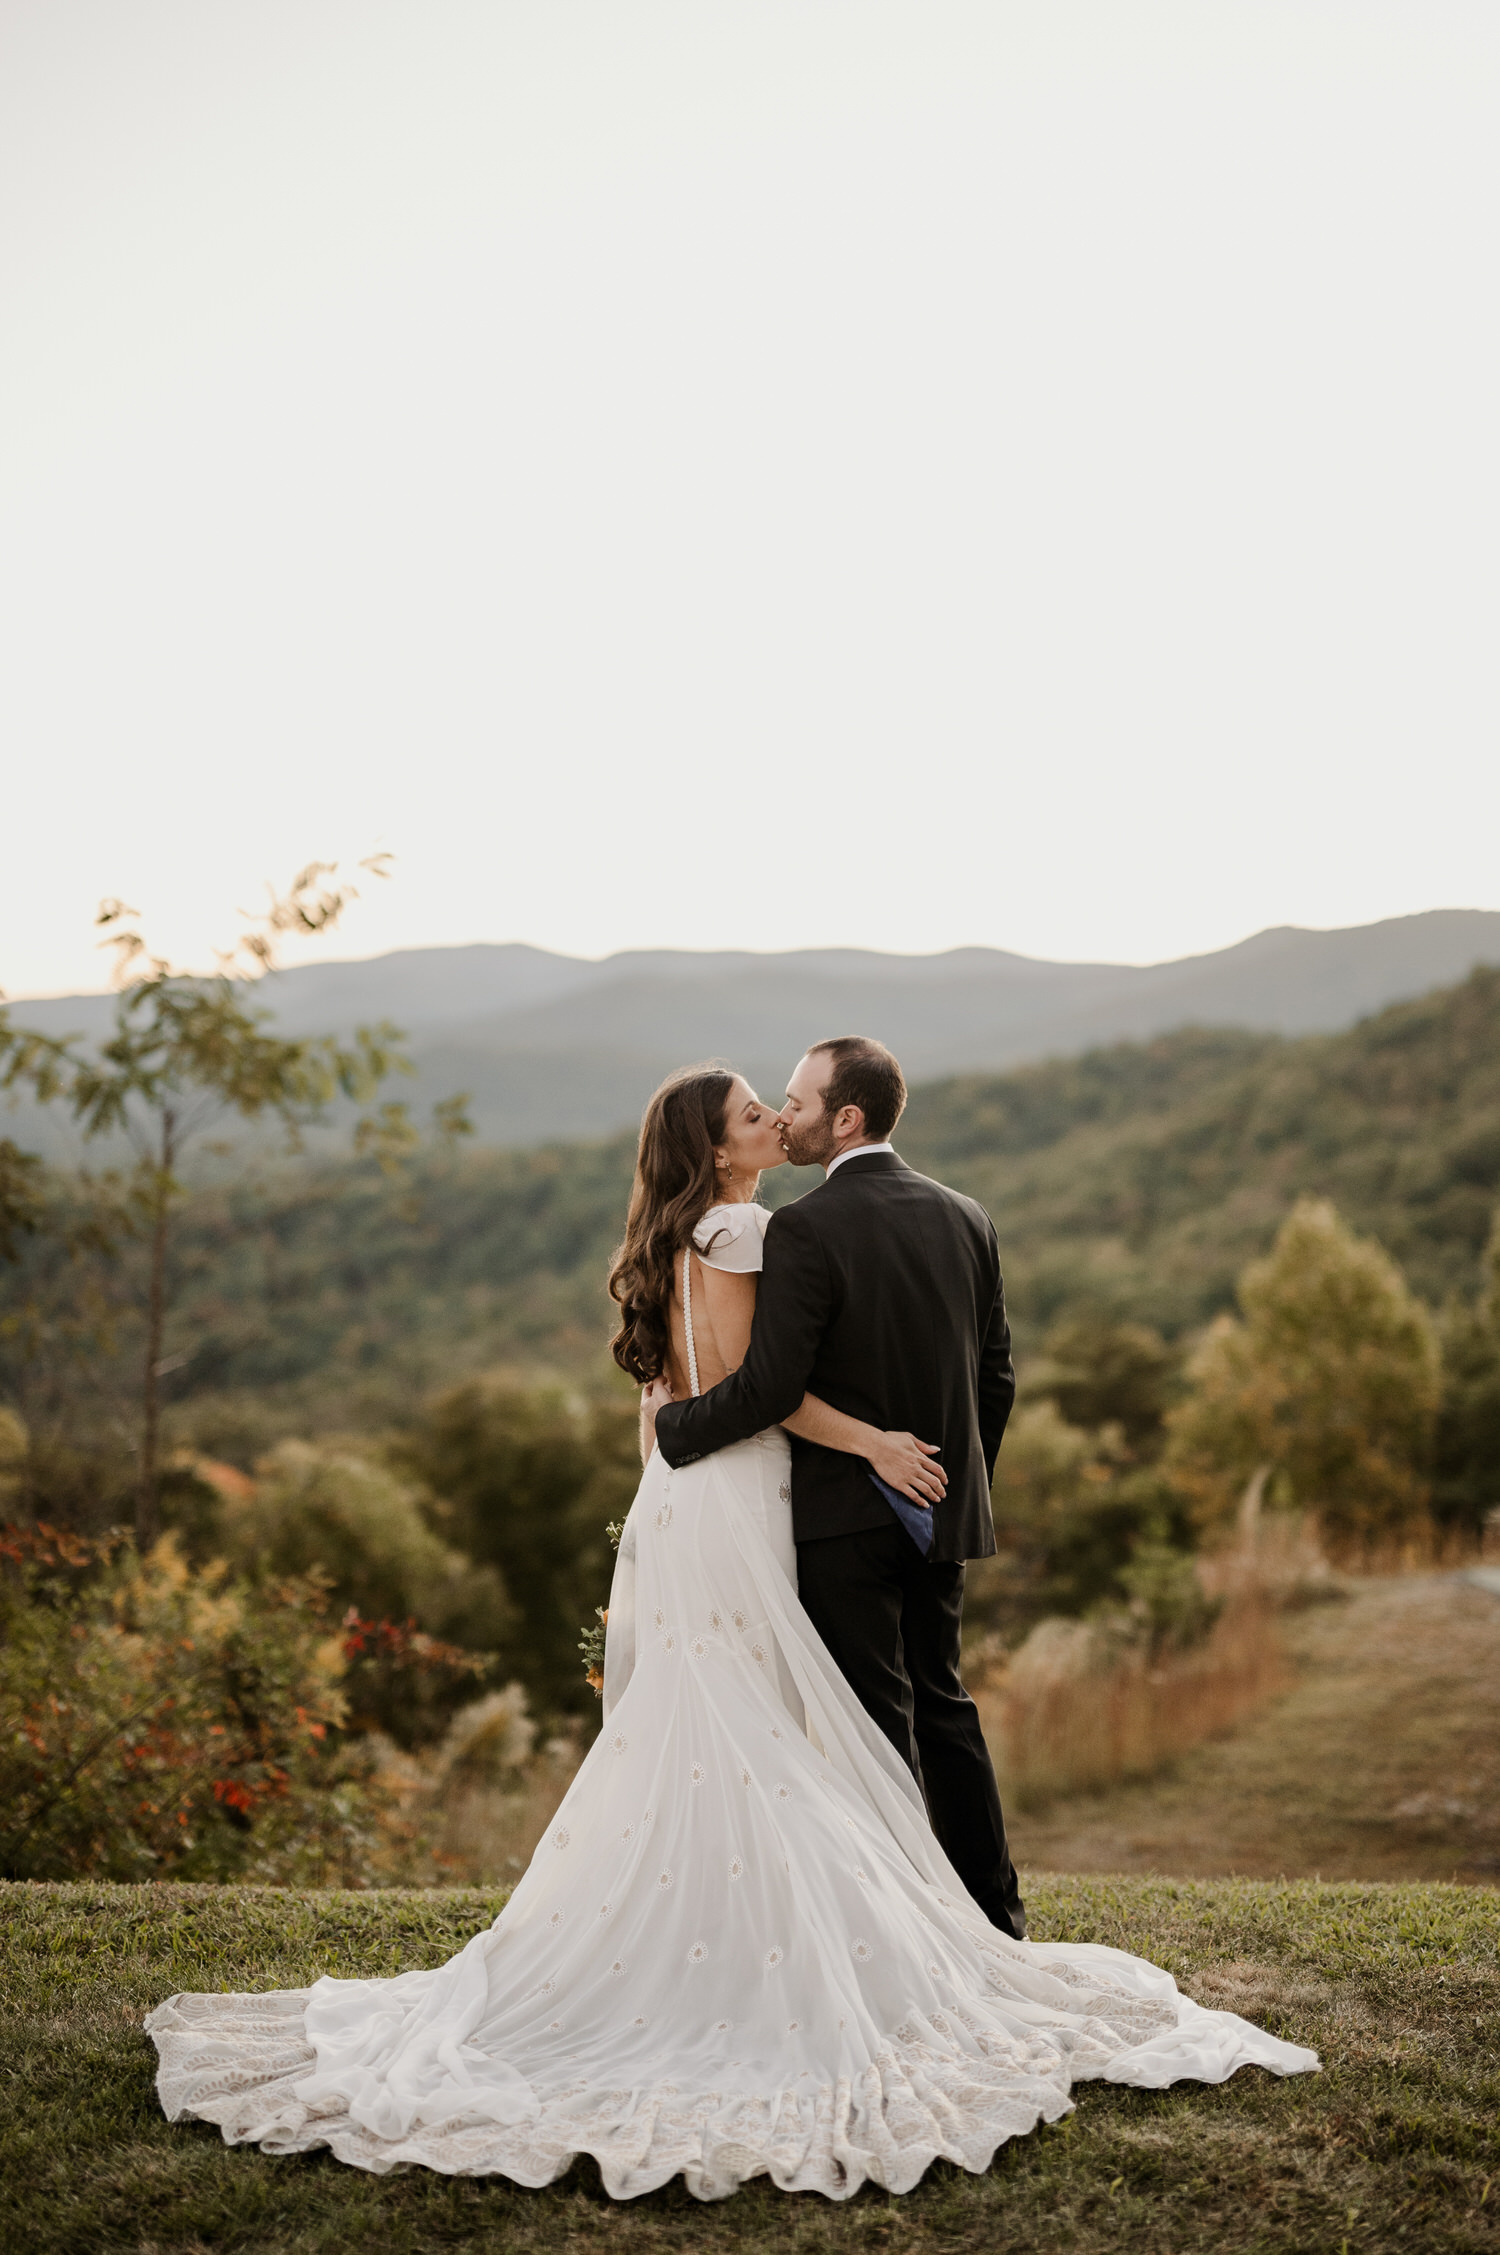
[732,1237]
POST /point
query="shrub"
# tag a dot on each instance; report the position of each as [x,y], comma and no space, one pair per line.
[329,1509]
[333,1507]
[157,1720]
[1071,1509]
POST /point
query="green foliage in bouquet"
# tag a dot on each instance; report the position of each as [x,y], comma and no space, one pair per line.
[591,1643]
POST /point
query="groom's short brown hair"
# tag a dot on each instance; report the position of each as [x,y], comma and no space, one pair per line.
[864,1073]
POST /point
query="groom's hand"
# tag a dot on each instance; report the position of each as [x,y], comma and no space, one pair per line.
[909,1466]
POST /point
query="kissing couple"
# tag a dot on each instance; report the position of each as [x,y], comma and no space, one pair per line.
[774,1927]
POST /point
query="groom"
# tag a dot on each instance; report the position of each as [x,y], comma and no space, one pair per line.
[881,1294]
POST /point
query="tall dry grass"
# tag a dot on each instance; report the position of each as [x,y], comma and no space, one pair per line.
[1086,1704]
[1075,1710]
[486,1834]
[470,1811]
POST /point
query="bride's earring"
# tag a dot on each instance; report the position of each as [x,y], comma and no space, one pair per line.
[725,1168]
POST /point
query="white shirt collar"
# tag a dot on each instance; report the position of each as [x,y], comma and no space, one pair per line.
[859,1151]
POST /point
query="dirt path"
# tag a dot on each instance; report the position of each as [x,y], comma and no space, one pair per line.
[1381,1762]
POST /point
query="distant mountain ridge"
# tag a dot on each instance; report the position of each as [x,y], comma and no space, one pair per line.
[560,1046]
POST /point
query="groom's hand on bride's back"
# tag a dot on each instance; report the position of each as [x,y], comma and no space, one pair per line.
[910,1466]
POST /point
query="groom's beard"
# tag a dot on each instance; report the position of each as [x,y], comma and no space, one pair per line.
[810,1146]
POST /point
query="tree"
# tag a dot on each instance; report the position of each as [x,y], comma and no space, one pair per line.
[1466,1453]
[185,1050]
[21,1200]
[41,1063]
[1329,1384]
[37,1207]
[1101,1372]
[531,1477]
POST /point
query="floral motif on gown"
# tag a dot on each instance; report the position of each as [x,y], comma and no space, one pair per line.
[739,1948]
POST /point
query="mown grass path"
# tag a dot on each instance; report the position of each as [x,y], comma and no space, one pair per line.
[1396,2145]
[1381,1761]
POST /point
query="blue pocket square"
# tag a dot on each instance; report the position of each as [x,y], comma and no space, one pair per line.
[913,1517]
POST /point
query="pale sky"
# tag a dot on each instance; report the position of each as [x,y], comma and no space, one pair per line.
[752,473]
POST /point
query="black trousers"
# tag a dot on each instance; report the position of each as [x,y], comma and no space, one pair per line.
[892,1624]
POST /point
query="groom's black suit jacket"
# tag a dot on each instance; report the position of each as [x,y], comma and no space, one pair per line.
[881,1293]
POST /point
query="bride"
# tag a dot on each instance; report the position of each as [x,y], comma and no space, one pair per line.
[739,1949]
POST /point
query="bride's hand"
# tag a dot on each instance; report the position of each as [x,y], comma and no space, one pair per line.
[906,1464]
[654,1397]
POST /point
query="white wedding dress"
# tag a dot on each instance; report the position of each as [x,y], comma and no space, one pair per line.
[739,1948]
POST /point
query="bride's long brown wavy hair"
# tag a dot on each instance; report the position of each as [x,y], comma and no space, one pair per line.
[675,1184]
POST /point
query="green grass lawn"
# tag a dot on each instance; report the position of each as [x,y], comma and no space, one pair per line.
[1396,2144]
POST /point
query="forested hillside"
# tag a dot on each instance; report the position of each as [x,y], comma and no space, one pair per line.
[1136,1179]
[1144,1176]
